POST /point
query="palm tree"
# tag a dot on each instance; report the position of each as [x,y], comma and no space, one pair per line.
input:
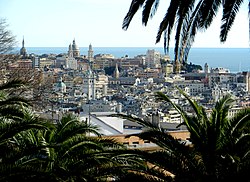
[189,17]
[67,152]
[16,118]
[13,110]
[18,152]
[79,156]
[220,145]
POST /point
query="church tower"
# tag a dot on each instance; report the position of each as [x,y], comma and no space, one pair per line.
[76,50]
[89,82]
[116,72]
[23,51]
[206,68]
[70,51]
[90,53]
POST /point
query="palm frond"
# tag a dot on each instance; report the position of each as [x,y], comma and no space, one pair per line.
[167,23]
[134,6]
[189,31]
[149,10]
[184,11]
[208,11]
[12,84]
[230,9]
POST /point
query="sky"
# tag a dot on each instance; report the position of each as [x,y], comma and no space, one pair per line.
[55,23]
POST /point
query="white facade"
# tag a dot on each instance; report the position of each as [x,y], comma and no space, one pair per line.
[153,59]
[194,87]
[89,85]
[71,63]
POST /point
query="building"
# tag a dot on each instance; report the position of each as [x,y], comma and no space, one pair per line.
[195,87]
[74,51]
[90,53]
[153,59]
[60,86]
[23,51]
[89,82]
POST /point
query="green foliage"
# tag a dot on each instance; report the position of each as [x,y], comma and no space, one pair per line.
[220,145]
[191,67]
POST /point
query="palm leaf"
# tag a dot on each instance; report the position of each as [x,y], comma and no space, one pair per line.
[149,10]
[135,5]
[230,9]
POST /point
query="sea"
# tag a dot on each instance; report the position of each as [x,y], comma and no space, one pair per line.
[234,59]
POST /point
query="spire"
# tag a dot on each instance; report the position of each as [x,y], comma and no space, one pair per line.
[116,72]
[23,50]
[90,53]
[23,42]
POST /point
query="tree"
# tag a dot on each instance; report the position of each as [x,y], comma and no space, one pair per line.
[7,43]
[7,40]
[220,145]
[16,119]
[66,152]
[188,17]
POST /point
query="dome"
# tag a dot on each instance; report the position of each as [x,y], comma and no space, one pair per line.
[61,86]
[74,46]
[90,47]
[89,73]
[23,51]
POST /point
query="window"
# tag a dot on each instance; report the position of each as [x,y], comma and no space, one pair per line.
[135,142]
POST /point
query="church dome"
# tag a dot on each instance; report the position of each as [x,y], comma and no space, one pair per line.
[61,86]
[23,51]
[89,73]
[74,46]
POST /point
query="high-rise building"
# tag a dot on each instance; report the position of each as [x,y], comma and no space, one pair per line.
[153,59]
[90,53]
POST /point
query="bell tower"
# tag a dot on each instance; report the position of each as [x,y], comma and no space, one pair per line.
[90,53]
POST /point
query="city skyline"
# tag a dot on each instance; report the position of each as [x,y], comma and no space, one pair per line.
[56,23]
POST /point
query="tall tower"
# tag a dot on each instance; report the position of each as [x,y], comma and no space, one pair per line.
[206,68]
[89,85]
[90,53]
[23,51]
[116,72]
[76,50]
[153,59]
[70,51]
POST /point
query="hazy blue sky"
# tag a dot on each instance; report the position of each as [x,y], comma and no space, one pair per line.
[55,23]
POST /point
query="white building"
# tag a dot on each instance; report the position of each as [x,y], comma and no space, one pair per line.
[74,51]
[108,125]
[89,85]
[153,59]
[195,87]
